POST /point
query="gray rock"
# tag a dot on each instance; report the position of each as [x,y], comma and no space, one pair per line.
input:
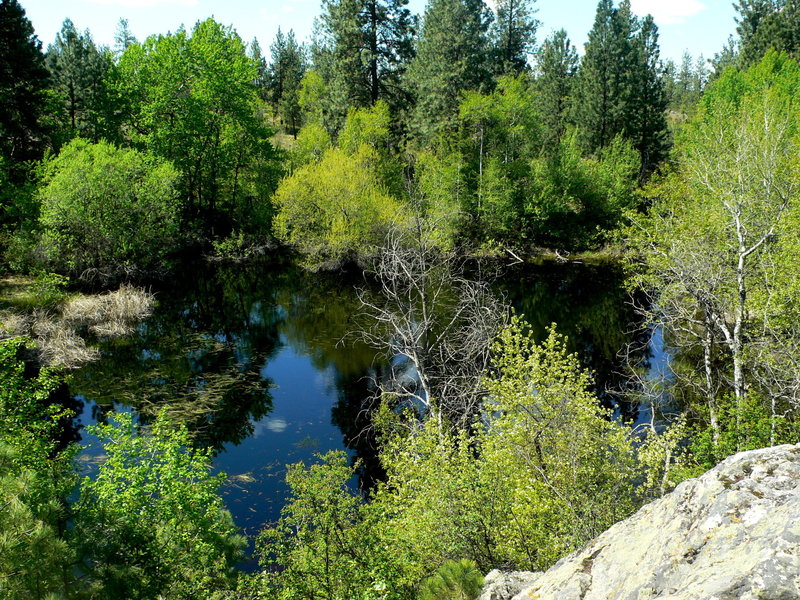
[501,585]
[733,533]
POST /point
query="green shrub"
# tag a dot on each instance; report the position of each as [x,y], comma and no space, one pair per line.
[454,580]
[108,212]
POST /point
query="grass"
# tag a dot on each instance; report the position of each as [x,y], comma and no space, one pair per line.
[18,291]
[56,329]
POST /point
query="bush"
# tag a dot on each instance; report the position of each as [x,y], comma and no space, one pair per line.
[454,580]
[336,209]
[108,212]
[152,522]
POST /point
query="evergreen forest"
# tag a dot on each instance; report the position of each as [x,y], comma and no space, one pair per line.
[417,155]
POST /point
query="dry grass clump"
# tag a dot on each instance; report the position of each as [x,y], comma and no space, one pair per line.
[56,336]
[57,343]
[113,314]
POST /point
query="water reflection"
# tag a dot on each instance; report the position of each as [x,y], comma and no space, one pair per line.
[257,360]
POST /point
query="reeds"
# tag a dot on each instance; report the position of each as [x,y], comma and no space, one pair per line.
[57,332]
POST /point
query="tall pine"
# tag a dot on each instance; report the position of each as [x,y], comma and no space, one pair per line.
[557,67]
[620,85]
[261,80]
[767,24]
[453,54]
[77,69]
[514,35]
[286,74]
[366,45]
[647,127]
[23,81]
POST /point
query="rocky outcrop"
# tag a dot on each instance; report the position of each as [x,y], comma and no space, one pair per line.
[733,533]
[501,585]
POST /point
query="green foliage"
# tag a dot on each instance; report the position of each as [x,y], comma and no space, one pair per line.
[108,209]
[312,142]
[558,65]
[765,25]
[23,80]
[439,502]
[546,471]
[620,91]
[34,481]
[77,71]
[335,209]
[501,134]
[439,191]
[35,560]
[747,426]
[152,523]
[30,419]
[570,469]
[286,72]
[366,46]
[452,57]
[513,35]
[371,128]
[716,247]
[311,97]
[454,580]
[50,288]
[368,126]
[572,201]
[325,542]
[190,99]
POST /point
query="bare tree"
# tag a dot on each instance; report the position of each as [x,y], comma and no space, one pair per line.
[435,325]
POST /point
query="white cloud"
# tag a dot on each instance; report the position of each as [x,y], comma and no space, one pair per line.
[142,3]
[668,12]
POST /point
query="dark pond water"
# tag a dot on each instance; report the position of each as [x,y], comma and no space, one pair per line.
[256,359]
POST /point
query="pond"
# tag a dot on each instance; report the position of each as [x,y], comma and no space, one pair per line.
[259,361]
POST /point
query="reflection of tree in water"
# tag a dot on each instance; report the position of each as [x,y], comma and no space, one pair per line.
[321,316]
[352,414]
[200,356]
[587,303]
[322,312]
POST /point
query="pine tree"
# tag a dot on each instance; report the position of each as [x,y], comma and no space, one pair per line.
[286,74]
[557,66]
[451,58]
[751,15]
[77,68]
[648,127]
[621,90]
[598,82]
[368,45]
[261,81]
[765,25]
[23,80]
[684,86]
[729,55]
[513,35]
[277,76]
[123,37]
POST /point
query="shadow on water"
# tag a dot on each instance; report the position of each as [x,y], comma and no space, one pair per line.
[257,361]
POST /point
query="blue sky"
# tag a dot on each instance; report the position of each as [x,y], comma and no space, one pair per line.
[699,26]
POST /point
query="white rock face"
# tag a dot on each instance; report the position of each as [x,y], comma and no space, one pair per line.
[731,534]
[502,585]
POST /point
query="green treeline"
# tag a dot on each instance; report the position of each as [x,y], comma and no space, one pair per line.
[399,143]
[518,144]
